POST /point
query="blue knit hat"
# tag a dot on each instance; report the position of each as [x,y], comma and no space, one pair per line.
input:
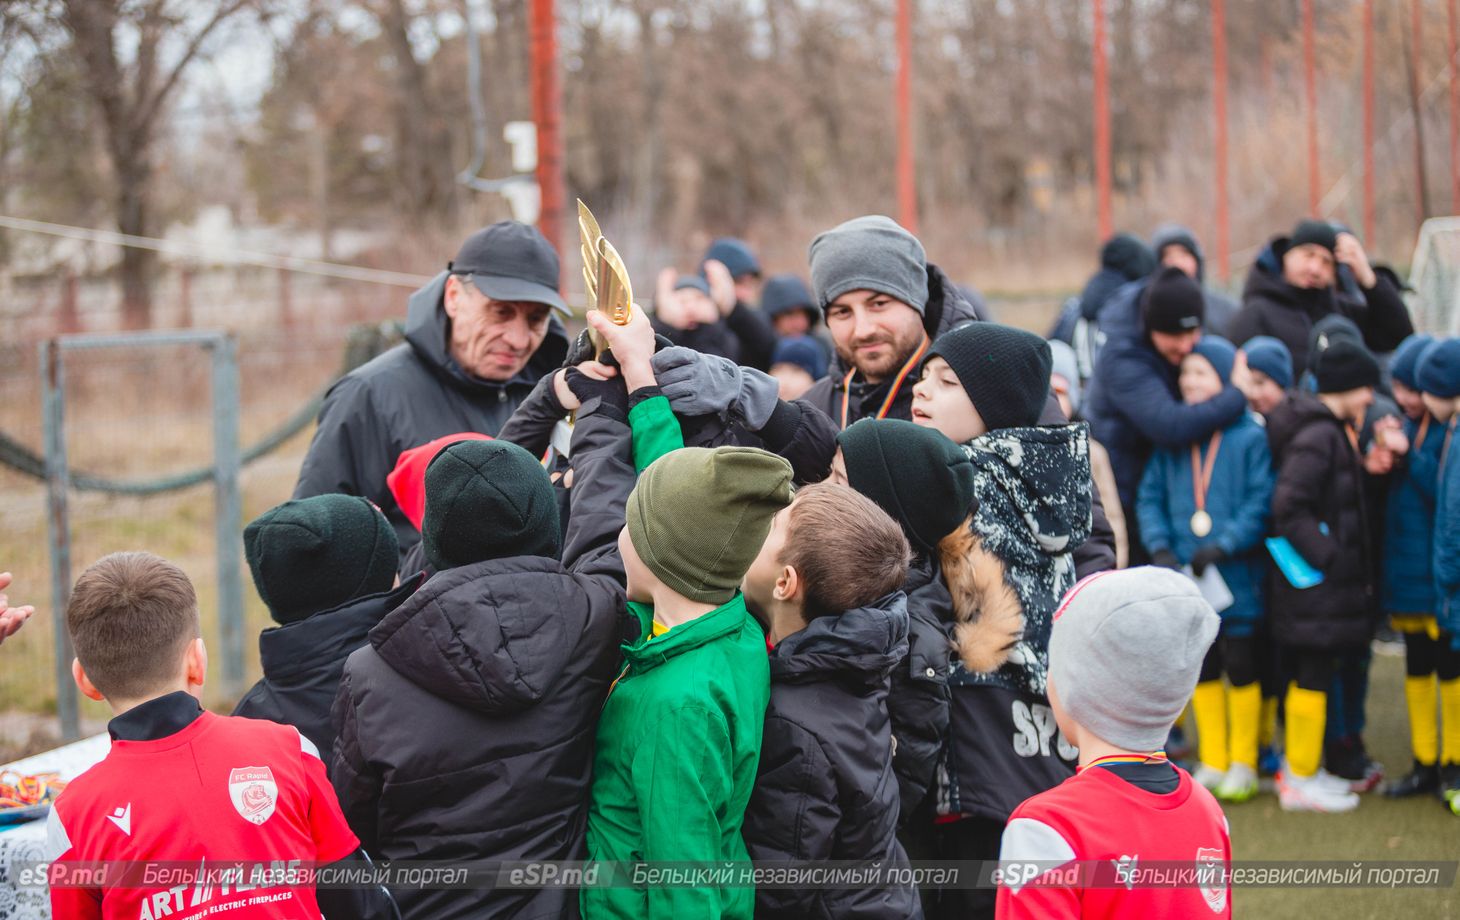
[784,293]
[1405,361]
[1439,369]
[692,281]
[802,351]
[1271,357]
[734,254]
[1221,353]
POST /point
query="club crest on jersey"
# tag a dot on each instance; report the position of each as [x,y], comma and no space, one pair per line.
[253,792]
[1211,876]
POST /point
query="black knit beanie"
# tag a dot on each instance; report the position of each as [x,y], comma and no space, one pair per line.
[920,478]
[314,554]
[487,500]
[1316,232]
[1172,303]
[1345,365]
[1004,370]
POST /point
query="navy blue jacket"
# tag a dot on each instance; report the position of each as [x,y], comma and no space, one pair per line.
[1134,406]
[1447,540]
[1409,524]
[1237,499]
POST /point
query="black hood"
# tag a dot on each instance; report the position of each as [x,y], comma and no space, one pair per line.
[320,642]
[861,645]
[477,635]
[428,332]
[1295,413]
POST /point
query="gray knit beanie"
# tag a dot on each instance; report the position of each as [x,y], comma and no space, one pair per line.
[1125,652]
[870,253]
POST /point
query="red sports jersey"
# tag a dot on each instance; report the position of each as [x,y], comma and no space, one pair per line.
[222,790]
[1111,830]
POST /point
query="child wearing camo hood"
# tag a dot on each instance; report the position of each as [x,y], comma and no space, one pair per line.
[983,387]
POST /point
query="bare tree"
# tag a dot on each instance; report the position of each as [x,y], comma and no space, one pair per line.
[130,94]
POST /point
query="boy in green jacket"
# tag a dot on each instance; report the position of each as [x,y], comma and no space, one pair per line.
[679,738]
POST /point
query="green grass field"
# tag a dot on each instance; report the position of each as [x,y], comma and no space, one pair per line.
[1381,829]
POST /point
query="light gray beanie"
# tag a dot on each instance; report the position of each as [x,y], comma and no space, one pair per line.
[1125,652]
[870,253]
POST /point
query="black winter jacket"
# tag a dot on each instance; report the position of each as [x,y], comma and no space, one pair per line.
[302,663]
[466,727]
[825,788]
[918,700]
[745,337]
[1319,504]
[1271,306]
[412,394]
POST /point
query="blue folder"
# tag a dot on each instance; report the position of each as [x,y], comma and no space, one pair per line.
[1292,564]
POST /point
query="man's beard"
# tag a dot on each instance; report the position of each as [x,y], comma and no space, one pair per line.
[886,363]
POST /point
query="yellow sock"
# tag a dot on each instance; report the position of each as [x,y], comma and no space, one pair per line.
[1209,705]
[1306,712]
[1450,721]
[1244,711]
[1424,733]
[1267,728]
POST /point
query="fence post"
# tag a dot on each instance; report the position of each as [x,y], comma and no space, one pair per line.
[228,519]
[53,378]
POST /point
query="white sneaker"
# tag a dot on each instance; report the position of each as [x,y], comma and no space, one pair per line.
[1208,776]
[1311,793]
[1332,782]
[1239,785]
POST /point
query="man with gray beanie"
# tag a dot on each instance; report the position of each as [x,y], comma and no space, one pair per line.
[1124,656]
[884,304]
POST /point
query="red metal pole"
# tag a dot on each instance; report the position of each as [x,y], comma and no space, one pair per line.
[907,193]
[1369,123]
[1416,80]
[1310,79]
[1219,98]
[1102,126]
[546,113]
[1454,115]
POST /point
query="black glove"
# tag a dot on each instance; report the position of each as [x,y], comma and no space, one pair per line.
[1162,557]
[610,394]
[581,349]
[1206,556]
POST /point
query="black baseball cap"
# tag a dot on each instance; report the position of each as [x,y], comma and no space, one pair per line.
[511,261]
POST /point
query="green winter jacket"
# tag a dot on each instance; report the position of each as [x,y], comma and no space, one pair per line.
[678,746]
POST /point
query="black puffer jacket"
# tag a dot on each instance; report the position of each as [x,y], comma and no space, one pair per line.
[918,701]
[302,663]
[1272,306]
[466,727]
[825,788]
[745,337]
[412,394]
[1319,504]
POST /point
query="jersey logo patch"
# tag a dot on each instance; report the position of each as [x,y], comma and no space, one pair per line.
[253,792]
[1211,871]
[122,818]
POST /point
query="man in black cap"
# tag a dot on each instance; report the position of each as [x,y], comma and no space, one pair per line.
[479,336]
[1134,404]
[1296,281]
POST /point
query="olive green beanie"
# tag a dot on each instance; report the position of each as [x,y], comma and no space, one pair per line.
[698,516]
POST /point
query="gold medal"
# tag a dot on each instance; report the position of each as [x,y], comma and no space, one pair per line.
[1201,523]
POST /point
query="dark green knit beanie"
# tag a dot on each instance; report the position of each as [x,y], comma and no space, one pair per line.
[314,554]
[698,516]
[488,500]
[918,476]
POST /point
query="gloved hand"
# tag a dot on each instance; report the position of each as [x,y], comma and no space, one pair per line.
[1165,559]
[701,384]
[1207,555]
[610,393]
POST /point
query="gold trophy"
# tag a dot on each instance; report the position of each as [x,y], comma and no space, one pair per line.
[605,276]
